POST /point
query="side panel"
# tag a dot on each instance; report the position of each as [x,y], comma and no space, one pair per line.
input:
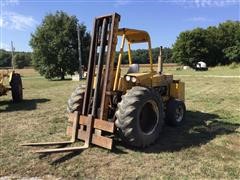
[161,80]
[10,76]
[177,90]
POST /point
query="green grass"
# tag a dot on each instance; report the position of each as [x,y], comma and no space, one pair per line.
[215,71]
[206,147]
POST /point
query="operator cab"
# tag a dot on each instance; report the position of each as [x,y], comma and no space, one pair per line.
[132,36]
[133,68]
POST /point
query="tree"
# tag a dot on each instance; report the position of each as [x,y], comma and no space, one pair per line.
[141,56]
[190,47]
[233,53]
[229,33]
[54,45]
[214,45]
[22,60]
[5,58]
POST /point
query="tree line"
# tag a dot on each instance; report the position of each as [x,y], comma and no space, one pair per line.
[55,47]
[20,59]
[215,45]
[140,56]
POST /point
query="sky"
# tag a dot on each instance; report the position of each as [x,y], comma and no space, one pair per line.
[163,19]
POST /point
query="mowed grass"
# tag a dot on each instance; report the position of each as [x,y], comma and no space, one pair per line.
[206,147]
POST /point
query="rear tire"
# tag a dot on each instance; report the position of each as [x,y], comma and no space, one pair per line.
[175,112]
[16,87]
[75,102]
[140,116]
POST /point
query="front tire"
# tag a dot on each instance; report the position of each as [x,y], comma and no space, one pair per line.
[16,87]
[75,102]
[140,116]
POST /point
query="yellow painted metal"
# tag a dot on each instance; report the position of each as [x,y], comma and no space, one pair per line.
[134,35]
[129,53]
[158,80]
[137,36]
[119,64]
[143,79]
[1,78]
[5,79]
[177,90]
[174,88]
[123,85]
[10,76]
[150,54]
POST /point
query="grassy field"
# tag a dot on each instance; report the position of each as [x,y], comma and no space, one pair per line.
[206,147]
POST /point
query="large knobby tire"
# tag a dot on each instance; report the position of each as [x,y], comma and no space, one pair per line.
[175,113]
[16,87]
[75,102]
[140,116]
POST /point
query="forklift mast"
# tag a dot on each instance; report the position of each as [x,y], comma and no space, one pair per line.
[102,52]
[89,124]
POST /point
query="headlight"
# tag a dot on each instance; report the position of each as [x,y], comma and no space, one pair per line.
[128,78]
[133,79]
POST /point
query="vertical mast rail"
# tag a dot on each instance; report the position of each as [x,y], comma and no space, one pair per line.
[103,40]
[109,74]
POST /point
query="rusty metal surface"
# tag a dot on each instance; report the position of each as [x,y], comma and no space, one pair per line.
[108,78]
[103,125]
[61,150]
[47,143]
[101,141]
[100,67]
[91,69]
[98,123]
[83,126]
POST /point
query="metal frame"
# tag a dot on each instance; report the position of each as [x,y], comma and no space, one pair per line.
[104,37]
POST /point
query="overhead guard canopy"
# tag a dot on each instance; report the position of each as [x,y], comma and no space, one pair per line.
[134,35]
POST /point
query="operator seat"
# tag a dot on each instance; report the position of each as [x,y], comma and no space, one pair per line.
[133,68]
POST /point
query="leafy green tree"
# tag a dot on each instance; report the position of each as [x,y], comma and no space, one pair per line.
[19,61]
[233,53]
[190,47]
[5,58]
[214,45]
[140,56]
[166,55]
[22,60]
[229,33]
[54,45]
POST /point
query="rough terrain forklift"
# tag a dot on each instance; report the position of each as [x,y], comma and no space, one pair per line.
[11,81]
[136,104]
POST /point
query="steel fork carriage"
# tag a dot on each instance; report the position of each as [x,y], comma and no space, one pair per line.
[89,124]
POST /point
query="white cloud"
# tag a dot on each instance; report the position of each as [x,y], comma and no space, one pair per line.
[204,3]
[5,46]
[198,19]
[1,22]
[187,3]
[12,20]
[9,2]
[215,3]
[122,2]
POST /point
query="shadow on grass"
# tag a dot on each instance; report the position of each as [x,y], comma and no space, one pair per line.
[66,157]
[199,128]
[66,79]
[27,105]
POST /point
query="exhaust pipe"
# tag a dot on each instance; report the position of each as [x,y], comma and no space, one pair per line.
[160,61]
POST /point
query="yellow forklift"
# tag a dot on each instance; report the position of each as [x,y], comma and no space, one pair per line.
[136,104]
